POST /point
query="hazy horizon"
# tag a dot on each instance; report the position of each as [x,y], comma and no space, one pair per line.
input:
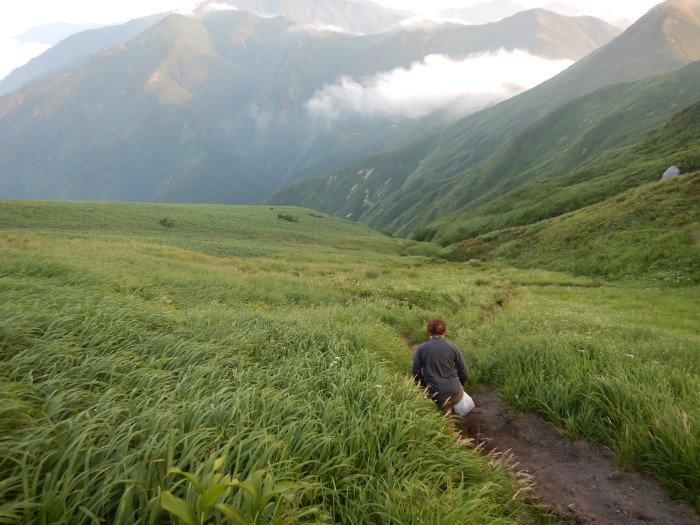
[30,14]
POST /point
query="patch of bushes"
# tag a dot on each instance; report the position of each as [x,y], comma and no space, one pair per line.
[424,234]
[287,217]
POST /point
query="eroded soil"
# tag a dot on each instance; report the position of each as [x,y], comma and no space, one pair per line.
[579,482]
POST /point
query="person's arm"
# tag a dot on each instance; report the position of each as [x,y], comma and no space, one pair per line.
[462,368]
[417,370]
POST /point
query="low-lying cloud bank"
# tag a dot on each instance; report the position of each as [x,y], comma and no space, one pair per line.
[205,9]
[437,81]
[14,54]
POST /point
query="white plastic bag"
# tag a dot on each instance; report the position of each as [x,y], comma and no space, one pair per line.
[464,406]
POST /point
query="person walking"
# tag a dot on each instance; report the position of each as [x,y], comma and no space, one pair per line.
[439,366]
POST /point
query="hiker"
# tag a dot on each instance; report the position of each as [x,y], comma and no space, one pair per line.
[439,366]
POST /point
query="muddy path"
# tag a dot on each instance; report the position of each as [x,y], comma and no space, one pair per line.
[579,482]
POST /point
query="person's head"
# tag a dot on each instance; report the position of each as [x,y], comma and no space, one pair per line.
[437,327]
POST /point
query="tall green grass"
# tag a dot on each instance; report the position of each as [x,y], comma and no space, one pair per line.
[121,360]
[619,367]
[129,349]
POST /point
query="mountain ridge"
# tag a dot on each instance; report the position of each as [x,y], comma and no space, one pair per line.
[74,51]
[652,222]
[216,100]
[544,197]
[456,150]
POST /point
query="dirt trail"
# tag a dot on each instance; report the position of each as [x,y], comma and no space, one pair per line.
[580,482]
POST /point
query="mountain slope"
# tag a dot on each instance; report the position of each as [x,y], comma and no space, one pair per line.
[93,133]
[540,32]
[626,168]
[484,13]
[74,51]
[651,231]
[54,32]
[451,153]
[212,108]
[612,219]
[572,138]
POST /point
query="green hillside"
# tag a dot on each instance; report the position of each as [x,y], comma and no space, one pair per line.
[577,136]
[649,233]
[136,338]
[472,161]
[647,48]
[238,231]
[583,132]
[666,216]
[138,341]
[586,151]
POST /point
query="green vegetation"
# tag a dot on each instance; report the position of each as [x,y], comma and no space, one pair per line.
[648,233]
[128,349]
[238,365]
[611,219]
[617,366]
[480,165]
[675,143]
[579,153]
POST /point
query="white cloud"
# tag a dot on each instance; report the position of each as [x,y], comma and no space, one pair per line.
[631,9]
[317,28]
[220,7]
[471,84]
[422,22]
[14,54]
[209,8]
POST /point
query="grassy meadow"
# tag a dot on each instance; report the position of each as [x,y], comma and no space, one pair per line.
[647,234]
[218,364]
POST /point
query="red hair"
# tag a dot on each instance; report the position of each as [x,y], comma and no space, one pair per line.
[437,327]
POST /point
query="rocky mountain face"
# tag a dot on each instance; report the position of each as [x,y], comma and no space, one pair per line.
[214,107]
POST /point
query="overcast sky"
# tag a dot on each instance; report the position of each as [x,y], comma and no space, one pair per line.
[22,15]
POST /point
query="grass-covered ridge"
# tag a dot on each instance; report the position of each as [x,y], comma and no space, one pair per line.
[557,163]
[648,234]
[236,231]
[612,218]
[135,338]
[603,177]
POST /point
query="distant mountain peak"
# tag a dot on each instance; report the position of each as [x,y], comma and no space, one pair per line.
[485,12]
[355,16]
[53,33]
[563,8]
[670,29]
[215,108]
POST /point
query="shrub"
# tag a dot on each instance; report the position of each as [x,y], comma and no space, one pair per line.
[424,234]
[287,217]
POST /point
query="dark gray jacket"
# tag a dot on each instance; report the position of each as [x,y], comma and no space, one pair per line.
[439,365]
